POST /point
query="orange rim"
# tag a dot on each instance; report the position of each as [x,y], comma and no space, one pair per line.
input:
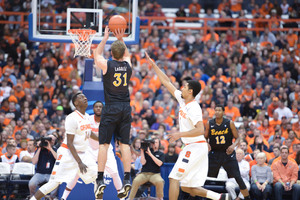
[83,34]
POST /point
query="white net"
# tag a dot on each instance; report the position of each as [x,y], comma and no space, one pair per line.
[82,39]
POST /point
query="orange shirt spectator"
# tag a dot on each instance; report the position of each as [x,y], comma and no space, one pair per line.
[65,70]
[266,8]
[274,122]
[247,93]
[223,5]
[19,93]
[292,38]
[208,37]
[231,111]
[195,4]
[236,5]
[157,109]
[273,106]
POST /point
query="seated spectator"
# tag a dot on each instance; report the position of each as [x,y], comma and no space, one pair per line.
[285,174]
[29,152]
[284,7]
[180,13]
[244,167]
[276,152]
[195,5]
[267,7]
[283,110]
[262,178]
[222,5]
[10,156]
[236,6]
[232,112]
[171,156]
[259,144]
[209,14]
[151,159]
[160,120]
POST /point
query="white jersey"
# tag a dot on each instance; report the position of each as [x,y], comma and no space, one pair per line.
[26,153]
[95,128]
[80,126]
[189,115]
[11,161]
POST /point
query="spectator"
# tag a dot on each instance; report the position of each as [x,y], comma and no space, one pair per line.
[276,152]
[231,112]
[284,111]
[285,174]
[44,160]
[171,156]
[29,151]
[269,35]
[272,107]
[181,13]
[10,156]
[262,178]
[284,7]
[244,167]
[267,7]
[236,6]
[209,14]
[196,6]
[151,159]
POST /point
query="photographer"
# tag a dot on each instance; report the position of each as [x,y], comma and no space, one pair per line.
[44,160]
[151,159]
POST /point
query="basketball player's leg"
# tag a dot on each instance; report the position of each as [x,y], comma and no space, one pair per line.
[112,168]
[173,189]
[69,187]
[232,168]
[123,133]
[44,190]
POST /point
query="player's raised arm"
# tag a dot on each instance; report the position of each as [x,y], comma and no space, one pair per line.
[119,34]
[164,79]
[100,61]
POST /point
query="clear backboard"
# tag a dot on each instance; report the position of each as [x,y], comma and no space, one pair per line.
[50,20]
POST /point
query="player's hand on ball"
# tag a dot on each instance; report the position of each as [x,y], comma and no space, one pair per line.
[173,136]
[229,150]
[106,33]
[82,167]
[119,33]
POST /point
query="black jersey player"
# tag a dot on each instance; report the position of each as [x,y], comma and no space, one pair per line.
[116,114]
[220,132]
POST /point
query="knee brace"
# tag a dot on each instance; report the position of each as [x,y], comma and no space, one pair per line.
[49,187]
[240,182]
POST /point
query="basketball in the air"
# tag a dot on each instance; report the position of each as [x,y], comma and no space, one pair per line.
[117,22]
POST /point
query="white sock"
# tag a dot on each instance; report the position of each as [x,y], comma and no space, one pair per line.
[66,194]
[33,198]
[213,195]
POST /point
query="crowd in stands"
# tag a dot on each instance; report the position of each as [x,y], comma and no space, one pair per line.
[256,78]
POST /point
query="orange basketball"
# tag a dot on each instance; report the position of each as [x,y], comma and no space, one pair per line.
[117,22]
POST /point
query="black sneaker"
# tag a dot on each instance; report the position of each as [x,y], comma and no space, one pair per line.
[123,193]
[100,189]
[225,196]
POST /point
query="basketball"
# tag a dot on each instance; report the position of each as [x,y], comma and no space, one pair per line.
[117,22]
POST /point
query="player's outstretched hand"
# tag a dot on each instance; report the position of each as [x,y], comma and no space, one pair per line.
[173,137]
[82,167]
[229,150]
[106,33]
[119,33]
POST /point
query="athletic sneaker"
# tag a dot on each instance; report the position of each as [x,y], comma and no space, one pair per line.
[225,196]
[123,193]
[100,189]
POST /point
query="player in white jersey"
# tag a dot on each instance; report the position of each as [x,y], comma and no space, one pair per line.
[72,158]
[111,166]
[191,166]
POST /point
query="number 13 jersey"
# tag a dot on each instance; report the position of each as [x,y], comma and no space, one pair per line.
[220,136]
[116,81]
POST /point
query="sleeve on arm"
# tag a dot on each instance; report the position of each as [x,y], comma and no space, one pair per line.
[70,126]
[195,115]
[177,95]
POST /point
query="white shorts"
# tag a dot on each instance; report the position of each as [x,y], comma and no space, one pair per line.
[191,166]
[111,163]
[66,167]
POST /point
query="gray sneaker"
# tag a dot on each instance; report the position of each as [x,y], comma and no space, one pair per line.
[123,193]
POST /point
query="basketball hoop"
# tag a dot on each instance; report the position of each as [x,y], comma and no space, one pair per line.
[82,38]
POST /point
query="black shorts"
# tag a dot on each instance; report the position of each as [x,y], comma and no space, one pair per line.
[115,119]
[221,159]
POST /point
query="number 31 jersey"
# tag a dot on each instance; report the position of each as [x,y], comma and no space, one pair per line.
[220,136]
[116,81]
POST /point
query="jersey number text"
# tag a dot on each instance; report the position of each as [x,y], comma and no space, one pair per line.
[119,81]
[220,139]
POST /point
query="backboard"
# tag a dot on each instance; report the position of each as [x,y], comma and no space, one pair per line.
[50,20]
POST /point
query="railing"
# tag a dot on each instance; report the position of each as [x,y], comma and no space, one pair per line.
[194,23]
